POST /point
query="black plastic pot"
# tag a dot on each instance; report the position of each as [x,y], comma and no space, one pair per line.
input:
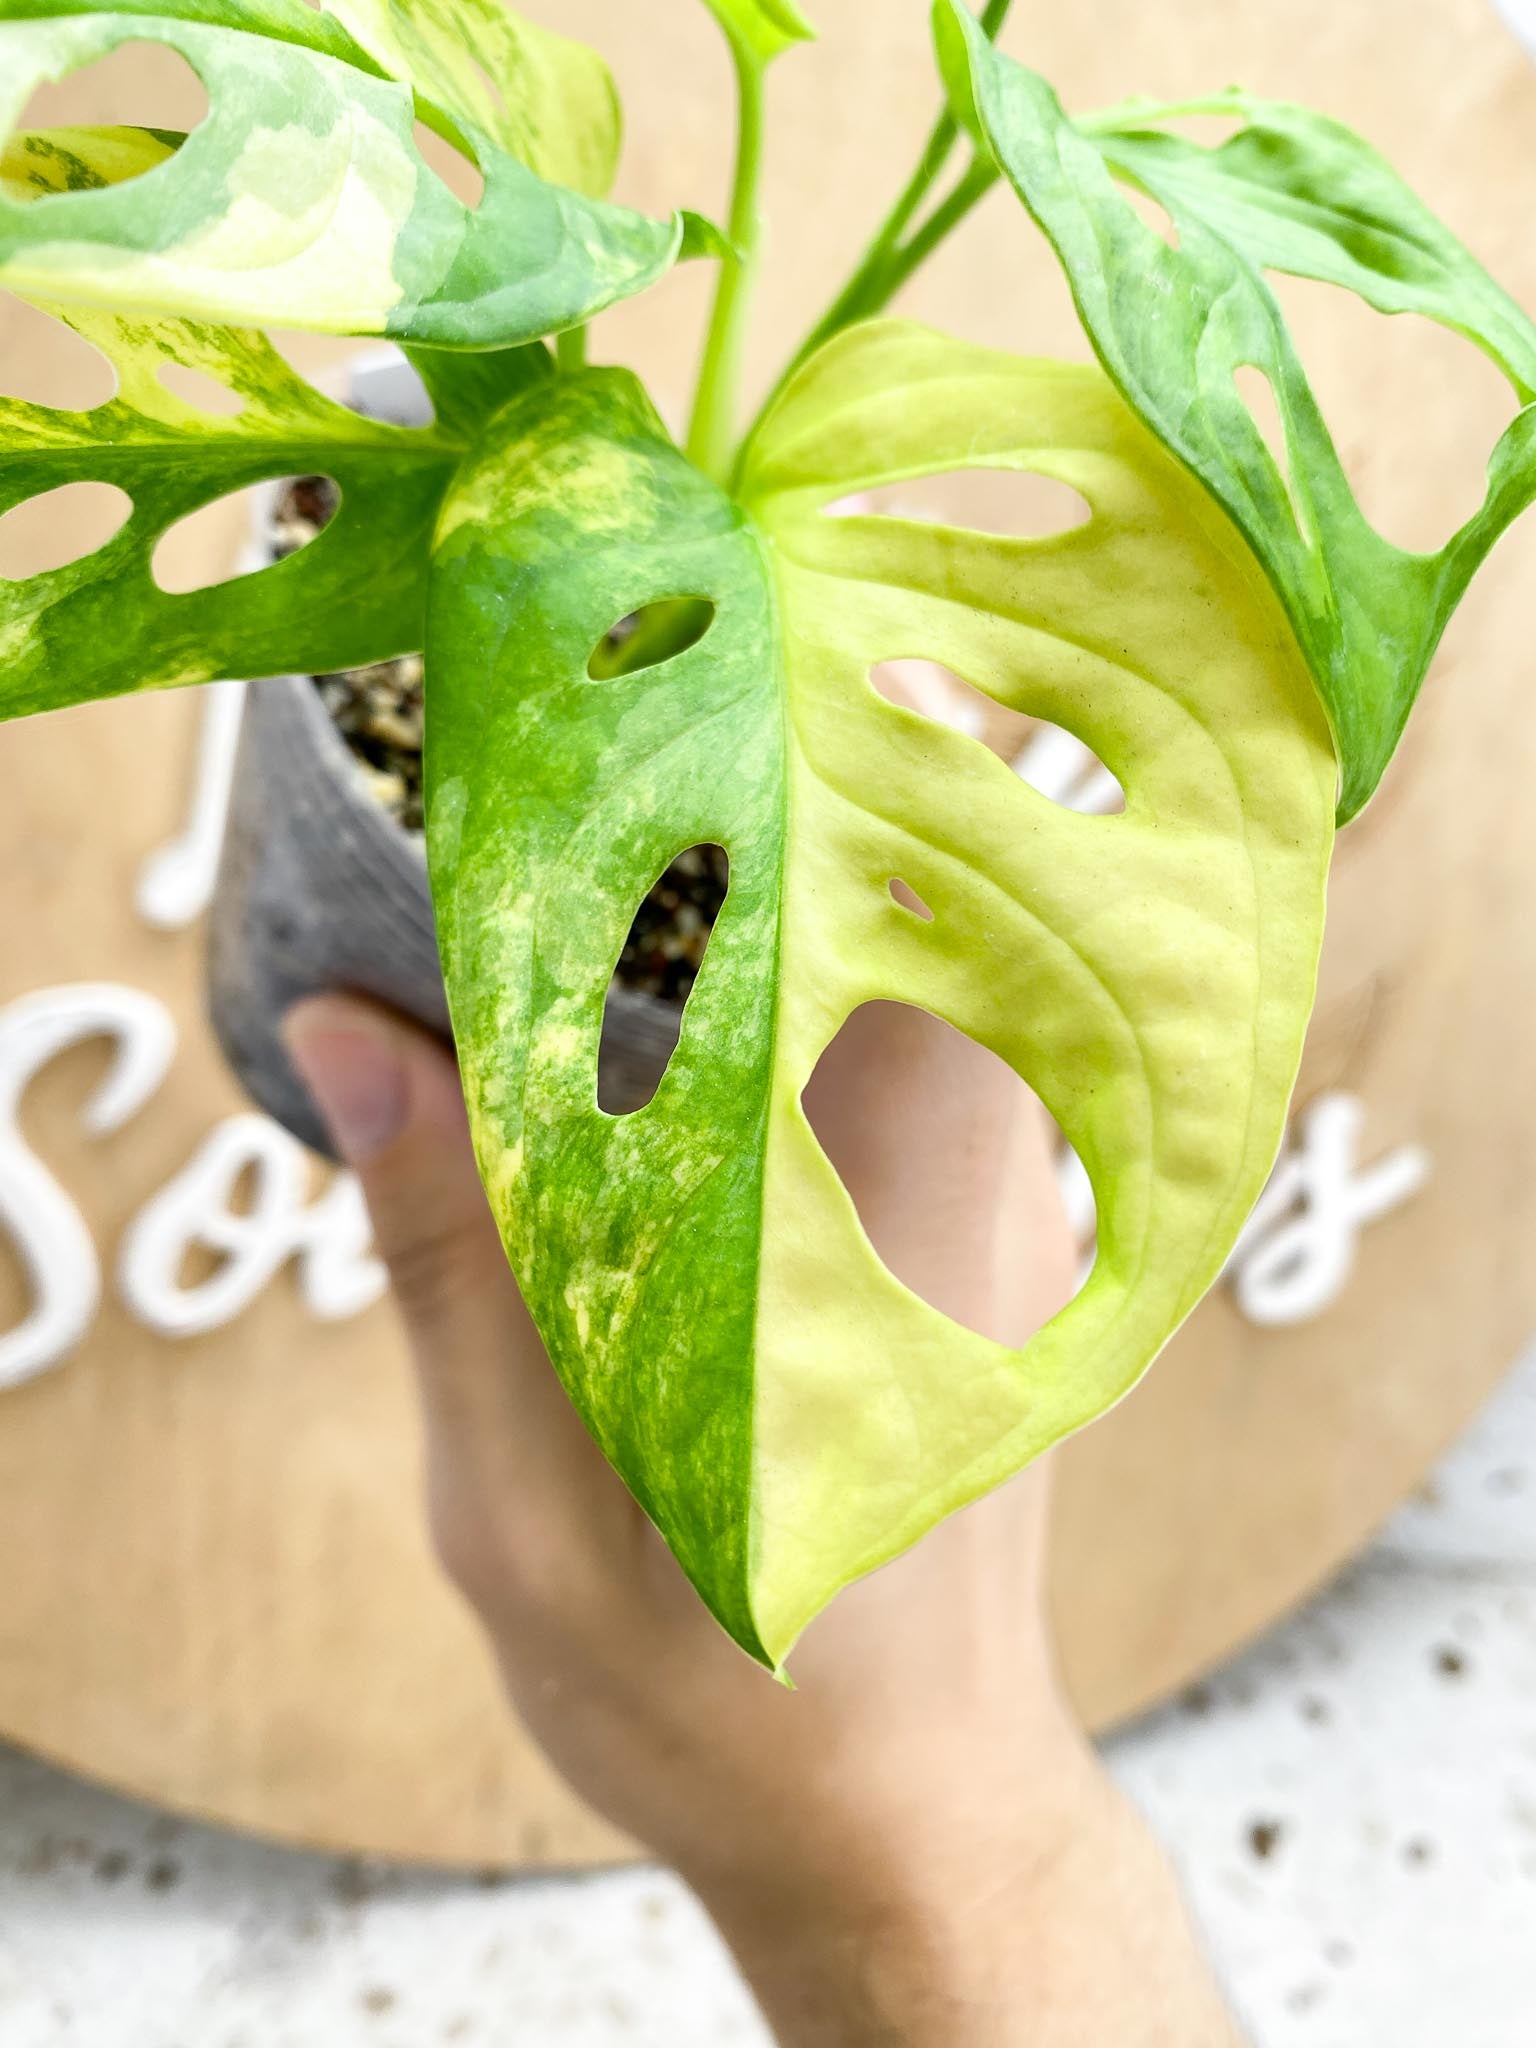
[321,889]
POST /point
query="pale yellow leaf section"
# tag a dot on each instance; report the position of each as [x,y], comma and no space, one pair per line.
[548,101]
[1150,975]
[332,255]
[37,162]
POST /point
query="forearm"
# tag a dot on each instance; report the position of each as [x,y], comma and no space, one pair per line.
[1081,1936]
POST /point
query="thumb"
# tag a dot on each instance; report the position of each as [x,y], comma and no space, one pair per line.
[389,1095]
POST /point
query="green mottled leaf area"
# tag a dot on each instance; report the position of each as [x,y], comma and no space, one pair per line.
[357,593]
[576,513]
[788,1413]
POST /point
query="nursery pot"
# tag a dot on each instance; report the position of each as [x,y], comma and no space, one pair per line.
[320,888]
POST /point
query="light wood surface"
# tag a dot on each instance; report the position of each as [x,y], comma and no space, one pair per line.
[217,1592]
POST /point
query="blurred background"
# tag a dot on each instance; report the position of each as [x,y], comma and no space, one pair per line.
[257,1787]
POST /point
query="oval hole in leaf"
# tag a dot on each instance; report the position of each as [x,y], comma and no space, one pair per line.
[206,547]
[196,387]
[1149,211]
[302,507]
[920,1122]
[1060,766]
[58,527]
[657,968]
[323,360]
[47,363]
[460,173]
[1414,408]
[907,898]
[645,639]
[936,692]
[1258,394]
[1019,504]
[1052,760]
[137,85]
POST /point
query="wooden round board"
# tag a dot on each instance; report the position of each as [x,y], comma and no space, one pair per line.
[219,1594]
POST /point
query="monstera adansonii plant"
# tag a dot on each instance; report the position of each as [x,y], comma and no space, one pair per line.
[1227,632]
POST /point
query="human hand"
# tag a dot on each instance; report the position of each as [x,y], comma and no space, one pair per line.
[915,1845]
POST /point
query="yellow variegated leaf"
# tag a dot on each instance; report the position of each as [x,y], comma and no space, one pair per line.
[764,28]
[785,1409]
[550,102]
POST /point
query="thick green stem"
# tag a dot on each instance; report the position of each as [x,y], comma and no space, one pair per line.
[877,282]
[939,226]
[889,261]
[571,350]
[712,433]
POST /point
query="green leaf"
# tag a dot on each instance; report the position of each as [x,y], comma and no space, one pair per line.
[302,200]
[786,1411]
[1289,192]
[765,29]
[355,594]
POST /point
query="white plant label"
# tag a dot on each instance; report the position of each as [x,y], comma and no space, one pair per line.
[1297,1250]
[55,1248]
[175,884]
[329,1237]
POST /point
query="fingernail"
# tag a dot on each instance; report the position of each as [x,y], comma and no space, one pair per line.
[355,1074]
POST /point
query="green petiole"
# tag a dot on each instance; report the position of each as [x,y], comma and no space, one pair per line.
[894,254]
[712,433]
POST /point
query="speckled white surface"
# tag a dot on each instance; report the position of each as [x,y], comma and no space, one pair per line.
[1353,1804]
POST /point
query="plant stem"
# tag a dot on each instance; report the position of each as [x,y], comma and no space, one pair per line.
[711,435]
[571,351]
[888,262]
[940,224]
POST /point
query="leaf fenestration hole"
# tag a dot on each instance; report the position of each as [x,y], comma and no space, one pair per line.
[1414,408]
[658,967]
[196,387]
[1051,759]
[936,692]
[1258,394]
[1149,211]
[45,362]
[907,898]
[323,360]
[460,173]
[646,638]
[1018,504]
[921,1124]
[1058,765]
[58,527]
[205,547]
[137,85]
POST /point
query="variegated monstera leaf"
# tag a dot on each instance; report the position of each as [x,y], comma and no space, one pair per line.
[788,1413]
[303,200]
[1293,192]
